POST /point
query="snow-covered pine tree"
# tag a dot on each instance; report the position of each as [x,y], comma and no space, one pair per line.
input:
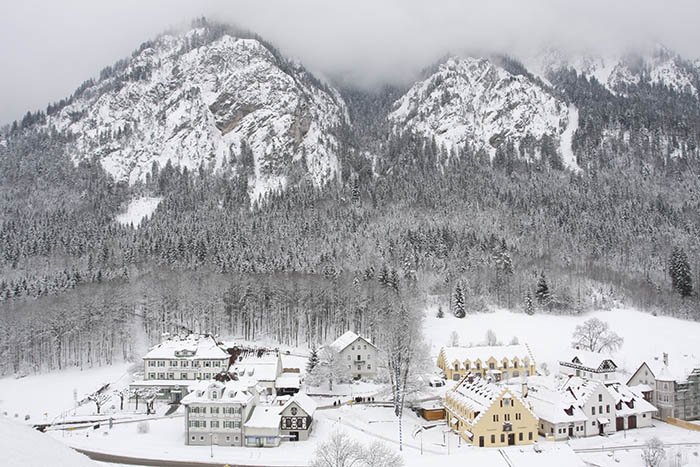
[458,306]
[529,308]
[542,293]
[679,270]
[313,360]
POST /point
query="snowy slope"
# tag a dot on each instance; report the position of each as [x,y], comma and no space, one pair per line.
[24,447]
[473,101]
[658,66]
[196,105]
[139,209]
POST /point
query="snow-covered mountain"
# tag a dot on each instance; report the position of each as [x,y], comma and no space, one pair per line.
[194,98]
[474,101]
[659,66]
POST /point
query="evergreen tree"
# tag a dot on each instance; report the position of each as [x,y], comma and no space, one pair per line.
[313,360]
[458,306]
[679,270]
[542,293]
[529,308]
[440,313]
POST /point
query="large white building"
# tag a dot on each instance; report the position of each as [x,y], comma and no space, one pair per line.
[263,365]
[360,355]
[215,412]
[173,365]
[581,407]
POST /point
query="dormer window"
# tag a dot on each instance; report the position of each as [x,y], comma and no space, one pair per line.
[213,394]
[294,410]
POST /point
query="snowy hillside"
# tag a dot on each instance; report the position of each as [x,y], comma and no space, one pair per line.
[195,99]
[659,66]
[473,101]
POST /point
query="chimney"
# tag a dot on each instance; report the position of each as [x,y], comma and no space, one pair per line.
[470,378]
[525,389]
[665,359]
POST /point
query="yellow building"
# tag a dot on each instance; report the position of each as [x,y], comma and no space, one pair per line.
[500,362]
[487,414]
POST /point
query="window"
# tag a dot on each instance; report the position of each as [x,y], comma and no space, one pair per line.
[520,436]
[529,436]
[600,398]
[493,439]
[294,410]
[161,375]
[491,366]
[506,417]
[207,363]
[352,348]
[151,376]
[607,408]
[516,373]
[369,367]
[466,365]
[151,363]
[456,366]
[517,416]
[495,418]
[506,402]
[478,366]
[171,375]
[365,346]
[593,410]
[213,396]
[515,364]
[161,363]
[503,438]
[505,363]
[349,357]
[215,424]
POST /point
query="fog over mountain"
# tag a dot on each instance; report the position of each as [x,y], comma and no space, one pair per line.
[363,43]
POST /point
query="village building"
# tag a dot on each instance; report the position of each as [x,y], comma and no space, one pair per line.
[359,353]
[672,385]
[560,416]
[216,411]
[269,425]
[487,414]
[589,365]
[263,365]
[500,362]
[173,365]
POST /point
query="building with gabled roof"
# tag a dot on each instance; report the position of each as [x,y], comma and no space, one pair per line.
[358,353]
[263,365]
[215,411]
[488,414]
[500,362]
[671,384]
[590,365]
[559,414]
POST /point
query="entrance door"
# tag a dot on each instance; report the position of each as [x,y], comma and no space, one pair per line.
[619,423]
[294,435]
[632,422]
[601,428]
[511,439]
[481,441]
[571,431]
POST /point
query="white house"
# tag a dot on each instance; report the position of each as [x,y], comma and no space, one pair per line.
[589,365]
[216,411]
[631,409]
[595,402]
[559,414]
[359,353]
[174,364]
[269,425]
[297,416]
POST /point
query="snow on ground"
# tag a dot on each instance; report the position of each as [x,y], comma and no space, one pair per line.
[48,395]
[567,149]
[138,209]
[549,336]
[22,446]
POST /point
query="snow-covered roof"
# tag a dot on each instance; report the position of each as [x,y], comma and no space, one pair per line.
[478,395]
[678,368]
[580,388]
[263,367]
[640,388]
[306,404]
[591,361]
[486,352]
[554,406]
[345,340]
[264,417]
[193,347]
[288,380]
[240,391]
[630,401]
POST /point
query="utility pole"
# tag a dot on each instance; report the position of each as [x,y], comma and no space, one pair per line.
[211,445]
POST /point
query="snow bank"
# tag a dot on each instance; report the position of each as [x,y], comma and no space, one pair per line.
[23,446]
[567,148]
[139,209]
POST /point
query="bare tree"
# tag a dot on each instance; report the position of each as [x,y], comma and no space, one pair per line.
[491,338]
[99,398]
[454,339]
[653,453]
[330,367]
[339,450]
[596,336]
[122,394]
[378,454]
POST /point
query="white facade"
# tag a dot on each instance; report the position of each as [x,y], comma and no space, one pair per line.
[265,366]
[215,412]
[360,355]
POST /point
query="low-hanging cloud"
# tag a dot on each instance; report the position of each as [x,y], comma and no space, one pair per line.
[49,48]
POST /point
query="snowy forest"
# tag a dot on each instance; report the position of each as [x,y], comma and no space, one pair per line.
[404,223]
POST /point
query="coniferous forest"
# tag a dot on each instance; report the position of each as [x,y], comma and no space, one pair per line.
[405,223]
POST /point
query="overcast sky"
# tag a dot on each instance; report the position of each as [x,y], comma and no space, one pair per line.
[47,48]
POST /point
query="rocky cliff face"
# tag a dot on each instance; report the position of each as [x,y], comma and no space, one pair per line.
[473,101]
[195,100]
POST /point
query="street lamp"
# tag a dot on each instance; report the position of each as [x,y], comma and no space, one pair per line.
[211,444]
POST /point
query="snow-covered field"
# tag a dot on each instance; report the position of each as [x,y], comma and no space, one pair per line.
[549,336]
[46,396]
[139,209]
